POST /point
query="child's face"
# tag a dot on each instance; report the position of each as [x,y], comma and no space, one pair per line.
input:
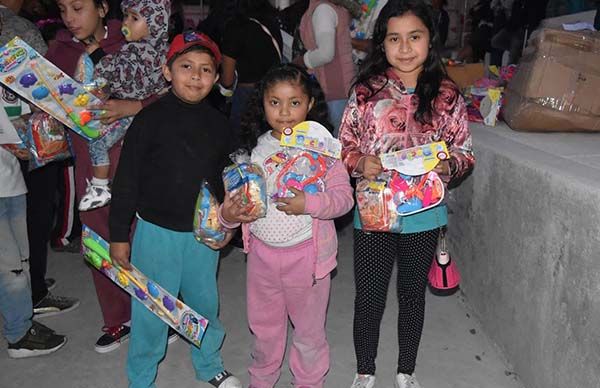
[406,47]
[285,104]
[134,26]
[192,76]
[83,18]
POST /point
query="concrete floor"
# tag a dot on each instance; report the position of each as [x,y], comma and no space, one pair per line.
[454,353]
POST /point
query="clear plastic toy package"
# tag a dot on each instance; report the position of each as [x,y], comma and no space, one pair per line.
[310,150]
[407,186]
[247,178]
[44,138]
[207,227]
[304,171]
[382,202]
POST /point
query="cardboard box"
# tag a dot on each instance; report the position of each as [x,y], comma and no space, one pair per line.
[466,75]
[557,84]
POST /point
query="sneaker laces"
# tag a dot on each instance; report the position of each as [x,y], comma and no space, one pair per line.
[113,331]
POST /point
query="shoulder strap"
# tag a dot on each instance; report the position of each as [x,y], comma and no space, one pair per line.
[266,30]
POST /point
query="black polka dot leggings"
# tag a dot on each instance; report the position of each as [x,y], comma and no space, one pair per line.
[374,257]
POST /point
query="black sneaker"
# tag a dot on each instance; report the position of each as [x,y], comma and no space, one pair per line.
[74,246]
[54,305]
[112,338]
[50,283]
[225,380]
[173,335]
[38,341]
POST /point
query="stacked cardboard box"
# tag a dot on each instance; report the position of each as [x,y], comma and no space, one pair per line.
[557,85]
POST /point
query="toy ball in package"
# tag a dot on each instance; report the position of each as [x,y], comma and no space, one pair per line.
[207,227]
[310,151]
[407,186]
[248,179]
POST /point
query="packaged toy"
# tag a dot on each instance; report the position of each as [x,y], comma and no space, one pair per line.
[207,227]
[383,202]
[310,152]
[247,178]
[27,73]
[407,186]
[171,310]
[44,138]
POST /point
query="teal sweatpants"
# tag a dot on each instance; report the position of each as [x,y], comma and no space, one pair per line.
[180,264]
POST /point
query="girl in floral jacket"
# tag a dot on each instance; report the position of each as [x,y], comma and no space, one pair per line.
[402,98]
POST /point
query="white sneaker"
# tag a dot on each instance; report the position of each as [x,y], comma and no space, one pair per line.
[95,196]
[225,380]
[407,381]
[363,381]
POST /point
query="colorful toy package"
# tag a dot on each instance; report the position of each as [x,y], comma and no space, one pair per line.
[44,138]
[311,150]
[171,310]
[207,227]
[249,179]
[407,186]
[27,73]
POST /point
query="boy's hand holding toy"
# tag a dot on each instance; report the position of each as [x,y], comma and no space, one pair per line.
[119,253]
[369,166]
[292,205]
[220,244]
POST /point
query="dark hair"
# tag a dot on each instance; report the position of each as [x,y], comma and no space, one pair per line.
[434,72]
[255,8]
[254,123]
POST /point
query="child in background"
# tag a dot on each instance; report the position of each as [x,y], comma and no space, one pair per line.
[134,73]
[402,98]
[171,146]
[291,251]
[25,337]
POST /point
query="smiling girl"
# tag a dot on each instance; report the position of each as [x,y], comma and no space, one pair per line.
[402,98]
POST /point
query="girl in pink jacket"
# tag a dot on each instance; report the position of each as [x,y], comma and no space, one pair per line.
[292,250]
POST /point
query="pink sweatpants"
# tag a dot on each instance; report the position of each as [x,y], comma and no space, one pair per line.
[280,285]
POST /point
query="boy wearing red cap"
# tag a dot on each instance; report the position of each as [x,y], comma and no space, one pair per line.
[171,146]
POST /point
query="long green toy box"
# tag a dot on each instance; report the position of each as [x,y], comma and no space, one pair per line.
[171,310]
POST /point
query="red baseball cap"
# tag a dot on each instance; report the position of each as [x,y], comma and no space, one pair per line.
[189,39]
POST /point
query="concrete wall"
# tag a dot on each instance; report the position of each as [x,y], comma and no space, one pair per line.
[525,232]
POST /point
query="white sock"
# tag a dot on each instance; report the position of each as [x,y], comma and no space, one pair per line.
[99,181]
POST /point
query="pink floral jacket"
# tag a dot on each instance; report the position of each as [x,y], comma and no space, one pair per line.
[385,122]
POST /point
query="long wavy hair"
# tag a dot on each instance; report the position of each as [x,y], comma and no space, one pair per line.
[376,63]
[254,122]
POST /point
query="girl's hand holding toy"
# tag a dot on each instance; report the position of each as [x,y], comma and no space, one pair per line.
[113,110]
[234,210]
[370,166]
[119,253]
[292,206]
[443,168]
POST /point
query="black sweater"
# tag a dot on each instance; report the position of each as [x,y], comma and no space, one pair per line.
[168,149]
